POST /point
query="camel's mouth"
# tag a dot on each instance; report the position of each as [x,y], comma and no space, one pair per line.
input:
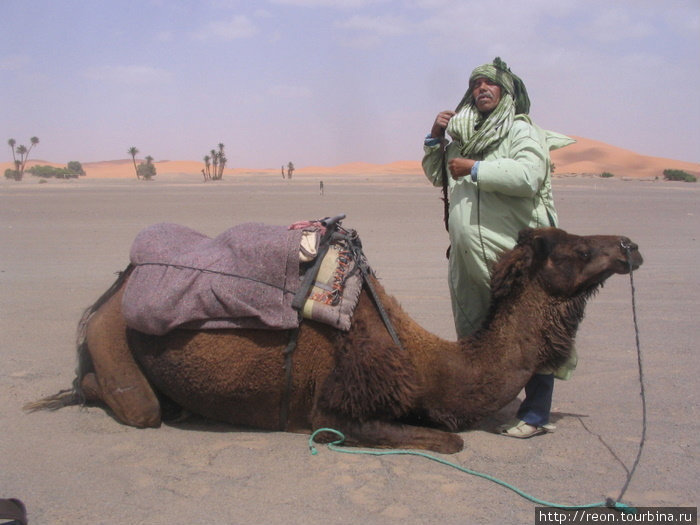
[628,261]
[635,261]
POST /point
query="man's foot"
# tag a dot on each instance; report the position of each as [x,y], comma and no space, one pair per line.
[522,430]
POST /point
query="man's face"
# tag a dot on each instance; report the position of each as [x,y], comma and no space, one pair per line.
[487,95]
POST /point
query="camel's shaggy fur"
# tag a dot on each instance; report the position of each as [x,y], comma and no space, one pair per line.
[359,382]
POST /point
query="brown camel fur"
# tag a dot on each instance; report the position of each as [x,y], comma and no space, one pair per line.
[358,382]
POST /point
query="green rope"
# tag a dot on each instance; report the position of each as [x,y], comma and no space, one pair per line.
[336,446]
[617,505]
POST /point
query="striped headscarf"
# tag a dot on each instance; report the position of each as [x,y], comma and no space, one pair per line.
[468,127]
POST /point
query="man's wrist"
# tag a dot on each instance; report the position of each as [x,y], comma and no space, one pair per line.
[431,141]
[475,171]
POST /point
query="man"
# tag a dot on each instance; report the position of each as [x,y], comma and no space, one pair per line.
[498,182]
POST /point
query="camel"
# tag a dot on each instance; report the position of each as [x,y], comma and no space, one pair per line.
[420,394]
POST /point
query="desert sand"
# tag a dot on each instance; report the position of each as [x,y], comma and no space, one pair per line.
[584,158]
[63,241]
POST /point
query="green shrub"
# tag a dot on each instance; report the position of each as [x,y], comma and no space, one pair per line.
[679,175]
[606,175]
[146,170]
[50,171]
[12,174]
[72,171]
[75,167]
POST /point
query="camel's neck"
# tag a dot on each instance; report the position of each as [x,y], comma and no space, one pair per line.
[480,374]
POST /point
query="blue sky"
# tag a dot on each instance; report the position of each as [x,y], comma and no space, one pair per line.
[324,82]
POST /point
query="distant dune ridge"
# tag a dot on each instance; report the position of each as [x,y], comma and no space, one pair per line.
[586,157]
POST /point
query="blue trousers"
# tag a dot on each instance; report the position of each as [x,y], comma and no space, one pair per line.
[534,410]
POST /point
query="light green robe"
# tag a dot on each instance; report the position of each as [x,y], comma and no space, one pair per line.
[513,191]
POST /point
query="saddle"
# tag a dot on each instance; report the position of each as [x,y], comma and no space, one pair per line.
[250,276]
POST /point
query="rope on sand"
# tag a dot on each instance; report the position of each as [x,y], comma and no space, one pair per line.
[614,504]
[336,447]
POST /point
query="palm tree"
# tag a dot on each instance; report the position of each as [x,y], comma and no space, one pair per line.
[11,143]
[133,151]
[222,161]
[214,163]
[19,164]
[207,164]
[222,164]
[33,142]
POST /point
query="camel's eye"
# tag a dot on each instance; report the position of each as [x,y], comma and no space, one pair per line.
[584,254]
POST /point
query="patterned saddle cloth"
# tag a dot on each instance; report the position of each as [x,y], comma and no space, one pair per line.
[247,277]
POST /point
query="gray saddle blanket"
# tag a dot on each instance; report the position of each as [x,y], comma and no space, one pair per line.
[244,278]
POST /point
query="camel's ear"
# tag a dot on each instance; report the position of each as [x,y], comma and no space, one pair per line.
[540,241]
[513,265]
[525,236]
[542,245]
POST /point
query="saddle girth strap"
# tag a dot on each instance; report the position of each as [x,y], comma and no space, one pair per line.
[358,255]
[287,394]
[378,303]
[331,224]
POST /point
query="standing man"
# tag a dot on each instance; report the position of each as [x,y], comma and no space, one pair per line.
[496,174]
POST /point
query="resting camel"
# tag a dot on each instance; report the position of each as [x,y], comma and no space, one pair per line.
[359,382]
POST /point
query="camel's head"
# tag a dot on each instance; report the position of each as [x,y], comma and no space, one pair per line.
[566,265]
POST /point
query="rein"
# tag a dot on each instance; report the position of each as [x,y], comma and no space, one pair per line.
[445,190]
[626,246]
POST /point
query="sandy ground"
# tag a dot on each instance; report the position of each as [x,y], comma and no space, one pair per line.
[62,242]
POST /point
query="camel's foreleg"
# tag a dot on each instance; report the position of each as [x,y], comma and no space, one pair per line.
[118,381]
[388,434]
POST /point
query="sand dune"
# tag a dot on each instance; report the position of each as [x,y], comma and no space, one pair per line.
[586,157]
[593,157]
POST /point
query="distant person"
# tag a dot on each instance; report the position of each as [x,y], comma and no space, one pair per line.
[290,169]
[496,174]
[320,187]
[282,170]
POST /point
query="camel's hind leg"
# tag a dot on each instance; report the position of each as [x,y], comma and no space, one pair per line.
[118,381]
[386,434]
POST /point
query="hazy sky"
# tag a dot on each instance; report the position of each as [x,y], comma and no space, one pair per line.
[324,82]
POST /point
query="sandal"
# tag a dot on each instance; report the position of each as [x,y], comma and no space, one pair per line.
[13,509]
[522,430]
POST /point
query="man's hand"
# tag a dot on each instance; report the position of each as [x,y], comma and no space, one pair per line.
[440,124]
[460,167]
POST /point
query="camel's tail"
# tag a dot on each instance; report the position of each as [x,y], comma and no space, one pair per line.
[62,399]
[74,395]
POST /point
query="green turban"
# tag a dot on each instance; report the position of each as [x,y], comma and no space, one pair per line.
[501,74]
